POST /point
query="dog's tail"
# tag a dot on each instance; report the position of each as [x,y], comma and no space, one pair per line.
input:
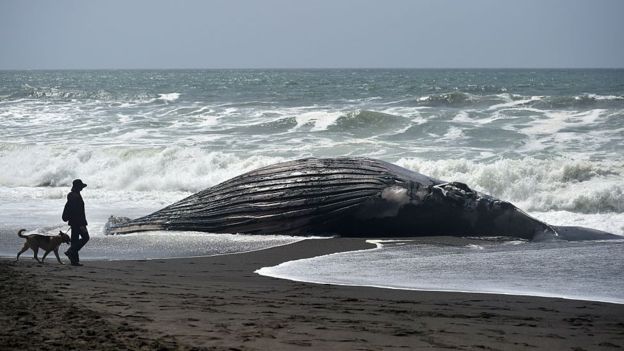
[20,233]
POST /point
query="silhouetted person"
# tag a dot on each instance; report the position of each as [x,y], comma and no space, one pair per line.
[74,213]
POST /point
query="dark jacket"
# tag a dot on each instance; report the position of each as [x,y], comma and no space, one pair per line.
[74,211]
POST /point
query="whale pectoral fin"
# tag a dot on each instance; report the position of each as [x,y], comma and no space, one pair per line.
[582,233]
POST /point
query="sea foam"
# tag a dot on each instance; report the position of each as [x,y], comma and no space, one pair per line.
[169,97]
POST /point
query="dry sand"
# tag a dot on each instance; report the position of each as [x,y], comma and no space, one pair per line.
[219,303]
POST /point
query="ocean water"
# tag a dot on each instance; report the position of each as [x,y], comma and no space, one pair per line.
[550,141]
[590,270]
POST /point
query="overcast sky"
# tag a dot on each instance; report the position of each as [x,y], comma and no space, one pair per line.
[41,34]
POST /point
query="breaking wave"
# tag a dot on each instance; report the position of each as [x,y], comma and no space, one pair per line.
[533,184]
[119,168]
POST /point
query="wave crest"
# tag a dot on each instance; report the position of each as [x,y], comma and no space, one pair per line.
[453,99]
[119,168]
[367,120]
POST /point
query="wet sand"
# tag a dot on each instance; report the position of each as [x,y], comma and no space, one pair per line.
[218,303]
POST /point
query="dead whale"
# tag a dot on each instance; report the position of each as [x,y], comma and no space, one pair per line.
[360,197]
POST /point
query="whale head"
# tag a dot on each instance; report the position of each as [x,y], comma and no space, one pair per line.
[486,215]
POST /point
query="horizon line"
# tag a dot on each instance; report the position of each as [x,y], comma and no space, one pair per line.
[307,68]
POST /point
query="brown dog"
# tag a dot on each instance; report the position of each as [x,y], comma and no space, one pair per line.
[47,243]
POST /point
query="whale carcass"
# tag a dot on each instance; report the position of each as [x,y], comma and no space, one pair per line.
[344,196]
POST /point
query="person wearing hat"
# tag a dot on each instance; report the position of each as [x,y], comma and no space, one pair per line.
[74,214]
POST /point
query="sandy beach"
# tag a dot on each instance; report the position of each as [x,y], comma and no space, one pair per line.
[218,303]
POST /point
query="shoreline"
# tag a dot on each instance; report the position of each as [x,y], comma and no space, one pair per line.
[218,302]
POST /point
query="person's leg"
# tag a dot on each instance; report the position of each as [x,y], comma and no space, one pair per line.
[84,237]
[74,241]
[72,253]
